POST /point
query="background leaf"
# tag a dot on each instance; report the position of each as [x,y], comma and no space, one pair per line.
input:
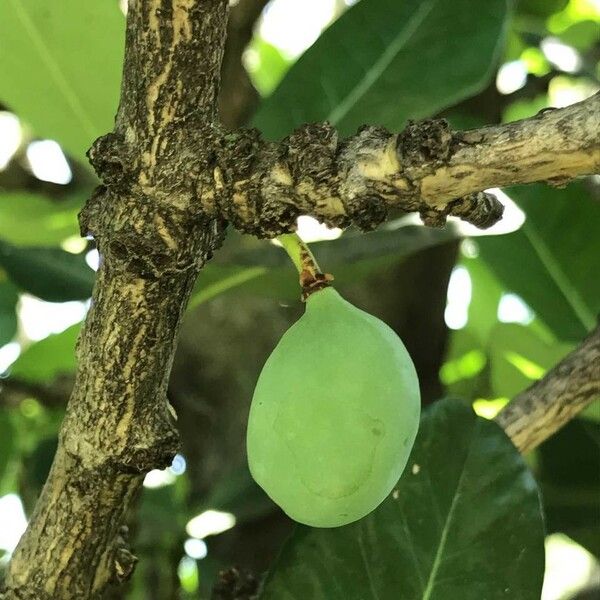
[29,219]
[569,475]
[48,273]
[368,66]
[60,67]
[7,439]
[519,356]
[48,358]
[8,316]
[464,523]
[552,261]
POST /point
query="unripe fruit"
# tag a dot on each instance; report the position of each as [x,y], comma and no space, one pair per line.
[334,414]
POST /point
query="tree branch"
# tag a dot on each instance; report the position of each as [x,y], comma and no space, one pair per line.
[535,414]
[152,240]
[262,187]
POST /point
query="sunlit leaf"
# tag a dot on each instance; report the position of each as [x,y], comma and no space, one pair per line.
[464,523]
[60,67]
[368,66]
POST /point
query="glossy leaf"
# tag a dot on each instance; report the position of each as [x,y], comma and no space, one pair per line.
[60,67]
[8,316]
[552,261]
[48,273]
[464,523]
[369,66]
[45,360]
[29,219]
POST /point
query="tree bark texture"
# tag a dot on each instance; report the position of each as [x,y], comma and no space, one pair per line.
[262,187]
[153,238]
[171,177]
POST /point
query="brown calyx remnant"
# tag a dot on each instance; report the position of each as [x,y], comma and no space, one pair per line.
[311,278]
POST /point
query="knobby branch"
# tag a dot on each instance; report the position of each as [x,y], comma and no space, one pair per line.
[261,187]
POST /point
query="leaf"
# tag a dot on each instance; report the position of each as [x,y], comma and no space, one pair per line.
[60,67]
[369,66]
[270,65]
[45,360]
[569,475]
[30,219]
[486,294]
[267,270]
[552,261]
[464,523]
[8,316]
[48,273]
[519,356]
[7,440]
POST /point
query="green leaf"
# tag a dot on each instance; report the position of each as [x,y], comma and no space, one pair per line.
[8,316]
[552,261]
[464,523]
[569,476]
[540,8]
[7,440]
[60,67]
[29,219]
[369,66]
[519,356]
[49,273]
[45,360]
[270,65]
[485,297]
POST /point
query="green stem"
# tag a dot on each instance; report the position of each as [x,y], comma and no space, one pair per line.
[299,252]
[312,279]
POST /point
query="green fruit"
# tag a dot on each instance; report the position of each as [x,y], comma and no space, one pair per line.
[334,414]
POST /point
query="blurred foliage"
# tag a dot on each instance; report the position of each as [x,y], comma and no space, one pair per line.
[46,53]
[381,62]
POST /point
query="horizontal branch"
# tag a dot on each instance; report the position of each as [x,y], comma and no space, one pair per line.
[262,187]
[535,414]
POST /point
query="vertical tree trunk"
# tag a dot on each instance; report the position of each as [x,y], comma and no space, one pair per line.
[153,240]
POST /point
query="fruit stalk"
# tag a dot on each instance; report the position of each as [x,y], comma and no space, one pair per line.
[312,279]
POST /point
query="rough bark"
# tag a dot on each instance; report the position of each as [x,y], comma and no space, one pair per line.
[542,409]
[261,187]
[171,175]
[153,239]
